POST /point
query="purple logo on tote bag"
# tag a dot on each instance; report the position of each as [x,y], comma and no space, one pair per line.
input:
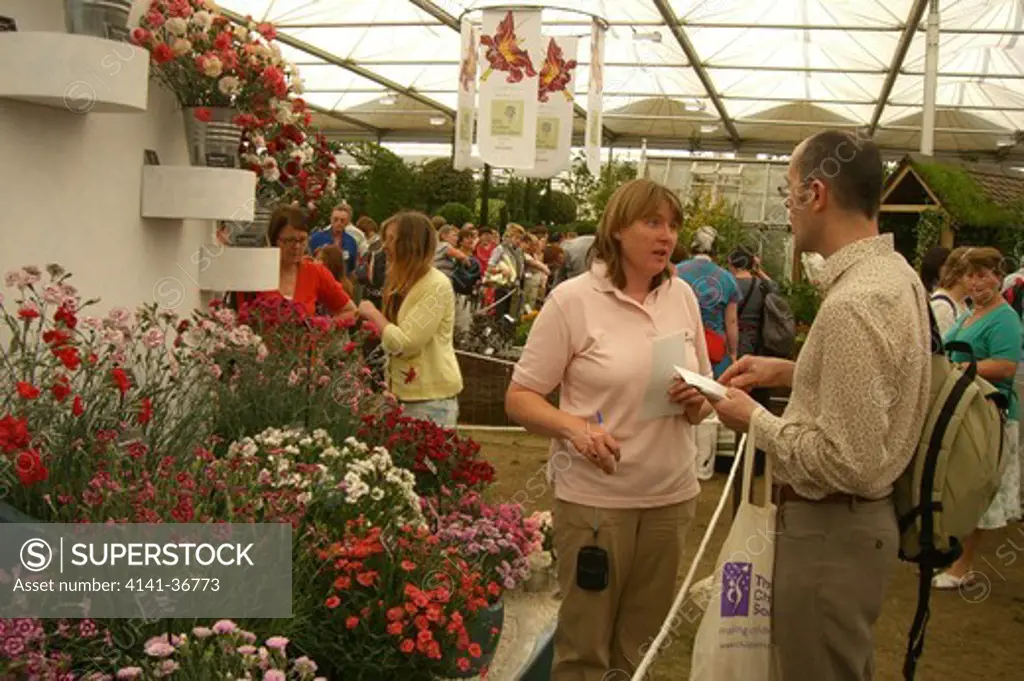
[736,589]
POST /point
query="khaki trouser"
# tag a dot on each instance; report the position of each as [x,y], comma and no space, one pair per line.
[832,566]
[602,631]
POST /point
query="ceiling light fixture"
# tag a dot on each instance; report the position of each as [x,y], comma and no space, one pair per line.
[695,105]
[708,128]
[437,120]
[650,37]
[388,100]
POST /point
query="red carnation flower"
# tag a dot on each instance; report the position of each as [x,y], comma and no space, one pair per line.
[203,114]
[27,391]
[163,53]
[29,467]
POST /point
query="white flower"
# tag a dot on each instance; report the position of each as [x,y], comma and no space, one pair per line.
[229,85]
[213,67]
[241,33]
[305,498]
[13,279]
[241,335]
[176,26]
[202,19]
[181,47]
[377,494]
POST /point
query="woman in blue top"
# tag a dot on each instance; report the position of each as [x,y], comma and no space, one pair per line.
[718,294]
[993,331]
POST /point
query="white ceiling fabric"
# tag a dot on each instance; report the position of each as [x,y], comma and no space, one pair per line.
[779,67]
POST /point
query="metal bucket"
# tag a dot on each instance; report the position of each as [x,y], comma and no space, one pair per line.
[251,234]
[215,143]
[100,18]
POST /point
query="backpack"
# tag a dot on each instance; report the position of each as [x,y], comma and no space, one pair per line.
[465,276]
[953,477]
[776,336]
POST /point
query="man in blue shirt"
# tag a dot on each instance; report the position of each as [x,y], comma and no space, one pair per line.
[341,217]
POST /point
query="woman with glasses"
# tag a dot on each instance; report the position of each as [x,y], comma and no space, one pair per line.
[303,280]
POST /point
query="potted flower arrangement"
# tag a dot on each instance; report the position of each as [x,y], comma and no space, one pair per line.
[225,78]
[294,166]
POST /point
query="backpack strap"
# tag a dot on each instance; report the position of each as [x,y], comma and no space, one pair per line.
[947,300]
[746,299]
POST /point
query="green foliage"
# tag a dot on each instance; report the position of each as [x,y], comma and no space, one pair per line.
[964,199]
[929,231]
[613,175]
[456,214]
[494,210]
[440,184]
[522,201]
[580,184]
[384,186]
[701,209]
[579,226]
[558,208]
[804,299]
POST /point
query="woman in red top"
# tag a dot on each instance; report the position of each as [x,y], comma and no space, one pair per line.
[305,281]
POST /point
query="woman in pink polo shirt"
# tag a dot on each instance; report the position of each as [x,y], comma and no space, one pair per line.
[625,482]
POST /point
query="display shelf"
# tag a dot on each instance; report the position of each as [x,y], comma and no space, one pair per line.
[78,73]
[226,268]
[198,193]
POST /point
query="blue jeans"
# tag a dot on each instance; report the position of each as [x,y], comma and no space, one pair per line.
[442,412]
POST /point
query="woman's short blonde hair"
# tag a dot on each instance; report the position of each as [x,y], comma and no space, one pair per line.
[514,230]
[634,200]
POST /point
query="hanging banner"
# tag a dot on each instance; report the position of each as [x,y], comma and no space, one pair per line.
[511,52]
[466,112]
[556,85]
[595,94]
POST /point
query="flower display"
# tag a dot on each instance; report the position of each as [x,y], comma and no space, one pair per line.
[47,649]
[223,651]
[494,539]
[437,456]
[207,62]
[293,164]
[408,585]
[332,478]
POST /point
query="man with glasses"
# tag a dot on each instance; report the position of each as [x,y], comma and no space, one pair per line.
[339,235]
[860,390]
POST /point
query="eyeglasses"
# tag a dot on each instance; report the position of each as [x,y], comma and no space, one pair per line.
[294,241]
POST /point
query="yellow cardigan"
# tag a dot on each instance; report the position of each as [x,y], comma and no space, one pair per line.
[423,364]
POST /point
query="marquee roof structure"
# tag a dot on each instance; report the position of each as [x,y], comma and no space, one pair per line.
[728,75]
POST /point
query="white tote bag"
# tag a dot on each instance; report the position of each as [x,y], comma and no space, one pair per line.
[734,640]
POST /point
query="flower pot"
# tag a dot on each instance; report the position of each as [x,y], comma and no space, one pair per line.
[251,234]
[213,139]
[9,514]
[480,629]
[100,18]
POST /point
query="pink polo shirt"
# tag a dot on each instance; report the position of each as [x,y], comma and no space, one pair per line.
[597,345]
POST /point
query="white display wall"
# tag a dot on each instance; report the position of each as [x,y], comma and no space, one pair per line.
[71,180]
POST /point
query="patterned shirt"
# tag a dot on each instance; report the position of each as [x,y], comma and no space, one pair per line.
[862,380]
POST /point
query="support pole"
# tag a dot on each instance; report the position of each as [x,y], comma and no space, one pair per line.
[931,80]
[485,195]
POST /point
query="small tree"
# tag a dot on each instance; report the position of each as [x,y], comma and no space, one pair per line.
[456,213]
[439,184]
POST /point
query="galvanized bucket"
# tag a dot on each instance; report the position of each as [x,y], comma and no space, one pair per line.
[251,234]
[99,18]
[214,143]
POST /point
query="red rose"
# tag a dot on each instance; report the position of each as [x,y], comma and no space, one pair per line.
[27,391]
[30,468]
[163,53]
